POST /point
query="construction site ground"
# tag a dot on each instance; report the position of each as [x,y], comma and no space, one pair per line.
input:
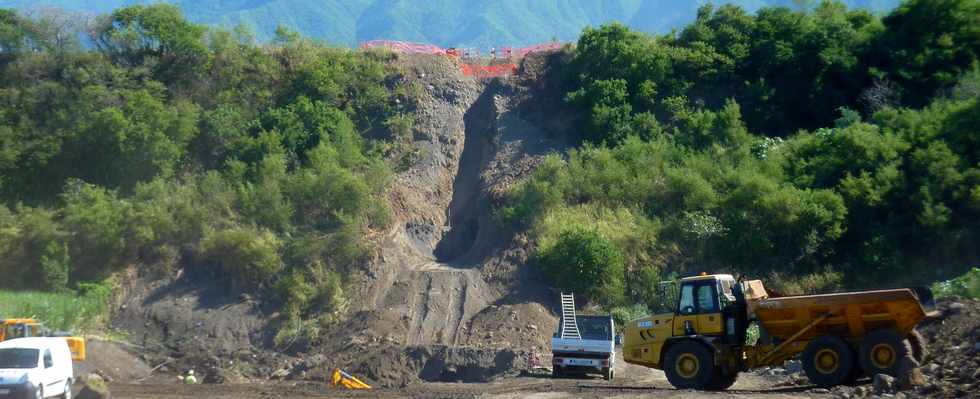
[638,382]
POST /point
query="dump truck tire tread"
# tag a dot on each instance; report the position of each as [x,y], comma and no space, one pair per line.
[919,346]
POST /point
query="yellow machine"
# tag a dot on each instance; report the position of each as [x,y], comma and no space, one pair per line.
[341,379]
[23,328]
[702,344]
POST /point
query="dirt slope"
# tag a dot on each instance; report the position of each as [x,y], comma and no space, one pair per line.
[447,288]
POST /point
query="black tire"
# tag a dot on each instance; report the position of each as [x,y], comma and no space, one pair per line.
[67,394]
[689,365]
[828,361]
[556,372]
[919,346]
[607,373]
[724,380]
[856,373]
[882,352]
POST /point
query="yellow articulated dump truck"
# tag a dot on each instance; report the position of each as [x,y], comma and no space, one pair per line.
[27,328]
[702,344]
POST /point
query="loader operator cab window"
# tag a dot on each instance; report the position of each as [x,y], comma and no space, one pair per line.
[698,298]
[15,331]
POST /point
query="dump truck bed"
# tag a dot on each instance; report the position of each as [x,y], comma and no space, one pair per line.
[851,314]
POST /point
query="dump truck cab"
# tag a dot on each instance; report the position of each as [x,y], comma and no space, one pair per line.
[699,306]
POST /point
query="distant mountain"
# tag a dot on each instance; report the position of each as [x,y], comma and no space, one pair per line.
[462,23]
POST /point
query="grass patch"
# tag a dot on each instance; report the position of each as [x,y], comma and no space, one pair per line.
[76,312]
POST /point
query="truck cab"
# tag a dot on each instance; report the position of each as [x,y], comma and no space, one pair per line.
[704,317]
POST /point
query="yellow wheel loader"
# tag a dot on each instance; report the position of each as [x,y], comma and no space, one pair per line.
[25,328]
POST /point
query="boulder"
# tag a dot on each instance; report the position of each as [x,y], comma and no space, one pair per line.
[909,374]
[883,383]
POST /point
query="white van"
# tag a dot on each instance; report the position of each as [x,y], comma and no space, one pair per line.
[35,368]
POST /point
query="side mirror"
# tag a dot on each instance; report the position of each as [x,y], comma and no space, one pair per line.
[619,339]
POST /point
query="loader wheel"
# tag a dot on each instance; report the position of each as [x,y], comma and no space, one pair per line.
[918,344]
[881,351]
[689,365]
[828,361]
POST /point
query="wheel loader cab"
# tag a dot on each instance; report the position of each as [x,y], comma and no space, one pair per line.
[19,328]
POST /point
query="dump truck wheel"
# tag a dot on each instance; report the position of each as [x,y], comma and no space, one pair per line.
[881,352]
[689,365]
[828,361]
[856,371]
[918,343]
[724,380]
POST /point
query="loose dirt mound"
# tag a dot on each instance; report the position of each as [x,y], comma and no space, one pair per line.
[114,362]
[952,364]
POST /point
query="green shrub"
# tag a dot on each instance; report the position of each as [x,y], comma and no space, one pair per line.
[55,267]
[247,256]
[624,314]
[96,219]
[583,261]
[965,286]
[825,282]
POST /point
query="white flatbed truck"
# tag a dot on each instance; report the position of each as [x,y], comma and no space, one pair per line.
[583,344]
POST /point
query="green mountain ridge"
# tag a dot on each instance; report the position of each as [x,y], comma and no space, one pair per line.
[441,22]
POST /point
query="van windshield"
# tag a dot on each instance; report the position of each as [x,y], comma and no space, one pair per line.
[18,358]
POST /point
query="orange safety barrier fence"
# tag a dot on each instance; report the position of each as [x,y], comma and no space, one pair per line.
[488,71]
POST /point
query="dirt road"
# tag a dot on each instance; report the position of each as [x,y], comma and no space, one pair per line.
[750,386]
[635,382]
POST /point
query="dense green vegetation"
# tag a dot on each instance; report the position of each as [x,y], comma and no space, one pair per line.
[820,149]
[79,312]
[172,145]
[965,286]
[487,23]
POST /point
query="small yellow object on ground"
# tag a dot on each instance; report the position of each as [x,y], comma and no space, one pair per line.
[341,379]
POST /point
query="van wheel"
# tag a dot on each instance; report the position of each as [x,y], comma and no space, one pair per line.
[67,394]
[689,365]
[608,373]
[828,361]
[881,351]
[556,372]
[39,393]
